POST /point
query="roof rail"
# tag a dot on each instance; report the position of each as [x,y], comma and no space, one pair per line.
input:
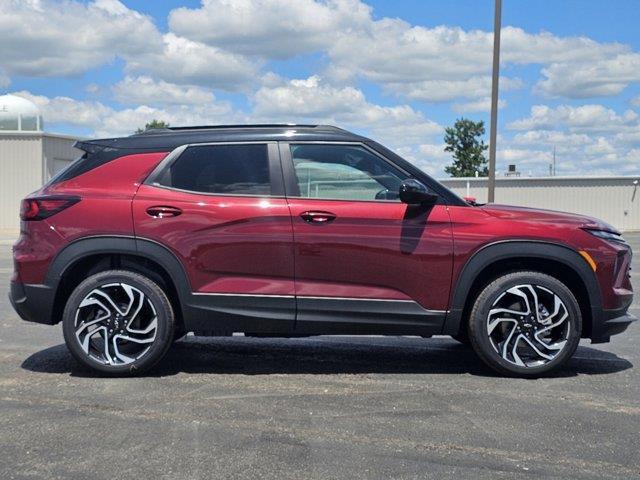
[153,131]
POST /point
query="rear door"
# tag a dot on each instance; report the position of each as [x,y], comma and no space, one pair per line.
[220,209]
[363,258]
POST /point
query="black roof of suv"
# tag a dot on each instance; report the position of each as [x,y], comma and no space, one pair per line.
[172,137]
[101,151]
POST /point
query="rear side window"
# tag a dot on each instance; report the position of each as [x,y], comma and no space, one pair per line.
[221,169]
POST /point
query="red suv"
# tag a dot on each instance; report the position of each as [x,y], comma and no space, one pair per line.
[296,230]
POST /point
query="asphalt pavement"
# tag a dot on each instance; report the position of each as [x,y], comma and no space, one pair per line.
[316,408]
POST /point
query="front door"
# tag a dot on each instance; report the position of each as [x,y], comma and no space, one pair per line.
[220,209]
[364,261]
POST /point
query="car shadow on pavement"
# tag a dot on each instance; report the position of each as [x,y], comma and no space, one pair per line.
[255,356]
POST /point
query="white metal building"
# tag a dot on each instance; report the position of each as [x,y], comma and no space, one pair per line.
[615,200]
[28,155]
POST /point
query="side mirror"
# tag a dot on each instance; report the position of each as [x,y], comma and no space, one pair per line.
[414,192]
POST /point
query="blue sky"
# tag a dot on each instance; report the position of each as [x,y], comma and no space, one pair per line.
[397,71]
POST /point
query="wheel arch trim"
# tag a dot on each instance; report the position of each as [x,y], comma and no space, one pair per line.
[495,252]
[123,245]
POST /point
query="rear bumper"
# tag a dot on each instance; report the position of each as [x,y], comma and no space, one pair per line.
[34,303]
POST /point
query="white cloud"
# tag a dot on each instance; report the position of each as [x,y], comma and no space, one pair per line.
[592,158]
[92,88]
[311,99]
[550,137]
[444,62]
[585,118]
[225,43]
[482,105]
[433,64]
[446,90]
[106,121]
[588,139]
[5,81]
[270,28]
[145,90]
[399,127]
[522,47]
[629,137]
[598,76]
[429,157]
[184,61]
[47,38]
[635,101]
[53,38]
[69,111]
[600,147]
[421,63]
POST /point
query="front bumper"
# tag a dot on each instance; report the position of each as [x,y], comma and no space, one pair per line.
[34,303]
[612,322]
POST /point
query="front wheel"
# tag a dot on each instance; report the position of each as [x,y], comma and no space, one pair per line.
[525,324]
[118,322]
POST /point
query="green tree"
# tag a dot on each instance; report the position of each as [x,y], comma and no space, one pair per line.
[464,141]
[153,124]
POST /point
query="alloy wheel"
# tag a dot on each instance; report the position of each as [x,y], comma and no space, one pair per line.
[528,325]
[115,324]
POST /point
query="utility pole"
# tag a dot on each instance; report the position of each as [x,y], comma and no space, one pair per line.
[554,160]
[493,134]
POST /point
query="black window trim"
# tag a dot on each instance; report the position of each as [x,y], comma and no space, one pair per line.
[273,156]
[292,190]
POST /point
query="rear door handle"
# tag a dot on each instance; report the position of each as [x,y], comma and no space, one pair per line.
[161,211]
[318,217]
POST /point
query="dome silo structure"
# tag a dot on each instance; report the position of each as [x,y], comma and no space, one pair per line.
[18,114]
[29,156]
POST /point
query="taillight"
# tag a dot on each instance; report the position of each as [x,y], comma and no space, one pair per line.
[38,208]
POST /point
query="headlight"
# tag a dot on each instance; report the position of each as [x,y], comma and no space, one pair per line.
[605,235]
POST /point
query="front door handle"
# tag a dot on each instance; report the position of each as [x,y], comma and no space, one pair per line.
[162,211]
[318,217]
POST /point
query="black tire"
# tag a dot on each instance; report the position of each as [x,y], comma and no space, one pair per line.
[158,303]
[478,325]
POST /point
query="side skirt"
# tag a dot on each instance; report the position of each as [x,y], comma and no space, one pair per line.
[273,315]
[217,314]
[359,316]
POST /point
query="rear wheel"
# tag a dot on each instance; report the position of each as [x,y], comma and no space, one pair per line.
[118,322]
[525,324]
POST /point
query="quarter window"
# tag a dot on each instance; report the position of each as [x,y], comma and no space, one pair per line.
[344,172]
[221,169]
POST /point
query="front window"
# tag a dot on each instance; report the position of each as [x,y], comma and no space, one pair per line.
[344,172]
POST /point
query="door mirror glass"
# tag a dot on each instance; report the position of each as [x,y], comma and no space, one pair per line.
[414,192]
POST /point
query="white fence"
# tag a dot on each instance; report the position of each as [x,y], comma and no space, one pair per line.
[615,200]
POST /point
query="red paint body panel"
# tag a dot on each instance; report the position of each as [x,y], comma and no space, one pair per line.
[373,250]
[476,227]
[227,244]
[104,209]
